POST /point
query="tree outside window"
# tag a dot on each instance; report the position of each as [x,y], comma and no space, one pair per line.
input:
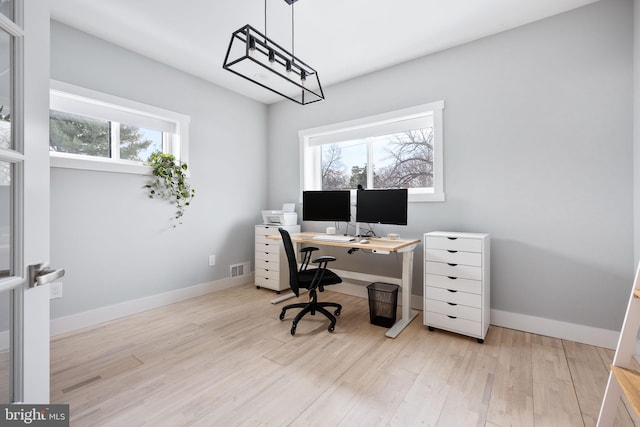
[396,149]
[400,160]
[76,134]
[71,133]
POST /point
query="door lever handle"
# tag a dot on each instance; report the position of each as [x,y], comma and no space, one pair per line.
[40,274]
[49,275]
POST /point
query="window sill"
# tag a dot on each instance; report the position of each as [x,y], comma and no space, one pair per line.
[426,197]
[97,164]
[415,196]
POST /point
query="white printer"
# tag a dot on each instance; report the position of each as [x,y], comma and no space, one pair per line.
[285,216]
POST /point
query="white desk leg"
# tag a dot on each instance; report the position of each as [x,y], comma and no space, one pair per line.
[407,313]
[286,296]
[281,298]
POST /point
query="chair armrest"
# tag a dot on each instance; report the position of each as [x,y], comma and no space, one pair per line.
[322,267]
[306,256]
[324,259]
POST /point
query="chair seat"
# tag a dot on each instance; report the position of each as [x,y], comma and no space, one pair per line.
[305,278]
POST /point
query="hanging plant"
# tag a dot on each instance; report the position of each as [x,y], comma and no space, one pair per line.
[170,182]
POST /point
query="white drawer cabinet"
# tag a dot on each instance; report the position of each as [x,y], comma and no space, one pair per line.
[271,269]
[457,282]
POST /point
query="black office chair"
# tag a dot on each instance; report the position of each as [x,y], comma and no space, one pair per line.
[313,279]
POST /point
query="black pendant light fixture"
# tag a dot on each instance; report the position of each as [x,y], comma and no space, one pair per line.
[255,57]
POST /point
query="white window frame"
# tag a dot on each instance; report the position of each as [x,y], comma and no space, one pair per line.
[311,140]
[175,126]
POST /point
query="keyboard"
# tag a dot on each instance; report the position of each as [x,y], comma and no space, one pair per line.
[333,238]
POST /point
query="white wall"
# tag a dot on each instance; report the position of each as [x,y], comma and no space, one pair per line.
[538,153]
[114,242]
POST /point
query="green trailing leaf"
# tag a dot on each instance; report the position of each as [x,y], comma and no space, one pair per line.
[169,181]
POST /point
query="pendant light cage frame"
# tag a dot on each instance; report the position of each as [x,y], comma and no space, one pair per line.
[255,57]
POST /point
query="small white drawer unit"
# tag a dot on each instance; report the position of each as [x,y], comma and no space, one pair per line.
[271,269]
[456,282]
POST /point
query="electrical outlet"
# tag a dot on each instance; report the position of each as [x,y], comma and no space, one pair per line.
[212,260]
[55,291]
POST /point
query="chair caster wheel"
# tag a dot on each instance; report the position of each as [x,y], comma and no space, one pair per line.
[337,312]
[282,315]
[331,328]
[293,330]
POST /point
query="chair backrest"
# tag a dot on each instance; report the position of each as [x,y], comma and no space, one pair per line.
[291,258]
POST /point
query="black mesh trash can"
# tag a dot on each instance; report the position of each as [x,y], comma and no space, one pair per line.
[383,303]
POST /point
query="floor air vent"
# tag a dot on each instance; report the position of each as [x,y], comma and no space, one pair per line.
[239,269]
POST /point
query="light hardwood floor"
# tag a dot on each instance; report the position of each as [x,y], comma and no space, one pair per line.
[225,359]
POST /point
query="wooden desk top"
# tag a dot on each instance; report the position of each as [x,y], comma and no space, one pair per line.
[377,243]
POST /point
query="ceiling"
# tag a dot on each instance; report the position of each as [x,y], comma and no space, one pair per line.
[341,39]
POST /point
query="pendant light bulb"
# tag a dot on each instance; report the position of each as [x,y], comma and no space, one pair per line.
[252,46]
[303,77]
[272,57]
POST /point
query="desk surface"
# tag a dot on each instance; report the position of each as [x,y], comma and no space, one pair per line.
[377,243]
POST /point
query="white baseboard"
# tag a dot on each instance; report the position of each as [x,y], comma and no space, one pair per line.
[86,319]
[555,328]
[361,291]
[536,325]
[350,289]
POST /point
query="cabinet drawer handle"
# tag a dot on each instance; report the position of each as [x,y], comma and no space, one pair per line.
[453,291]
[452,238]
[451,277]
[451,317]
[451,303]
[452,265]
[452,252]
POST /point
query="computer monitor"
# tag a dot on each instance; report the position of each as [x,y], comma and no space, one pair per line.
[326,205]
[388,206]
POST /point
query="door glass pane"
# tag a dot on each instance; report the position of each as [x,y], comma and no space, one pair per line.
[5,270]
[71,133]
[138,143]
[5,219]
[6,8]
[5,364]
[5,90]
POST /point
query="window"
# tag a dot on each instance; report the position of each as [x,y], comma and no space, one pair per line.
[96,131]
[401,149]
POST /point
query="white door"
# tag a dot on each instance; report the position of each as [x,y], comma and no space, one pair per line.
[24,200]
